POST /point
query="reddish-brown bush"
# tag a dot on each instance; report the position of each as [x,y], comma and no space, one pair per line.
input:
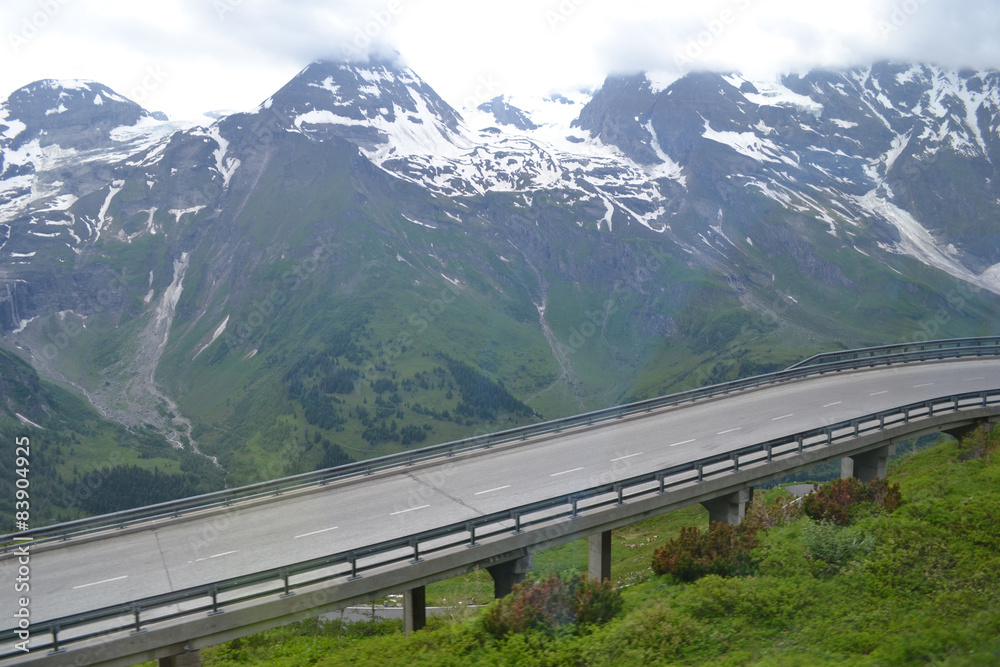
[722,549]
[551,603]
[832,502]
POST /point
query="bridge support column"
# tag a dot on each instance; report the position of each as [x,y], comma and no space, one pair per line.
[867,465]
[414,609]
[189,659]
[960,432]
[509,574]
[599,556]
[729,509]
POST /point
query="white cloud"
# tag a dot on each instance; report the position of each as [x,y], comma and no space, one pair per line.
[232,54]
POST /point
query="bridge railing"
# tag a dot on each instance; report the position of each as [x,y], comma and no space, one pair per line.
[215,597]
[972,344]
[820,364]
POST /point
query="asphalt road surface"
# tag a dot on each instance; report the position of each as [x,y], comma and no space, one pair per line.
[173,555]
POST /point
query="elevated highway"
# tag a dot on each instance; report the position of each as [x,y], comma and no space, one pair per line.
[139,587]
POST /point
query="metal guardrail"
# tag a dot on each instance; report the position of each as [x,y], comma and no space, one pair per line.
[136,615]
[898,348]
[819,364]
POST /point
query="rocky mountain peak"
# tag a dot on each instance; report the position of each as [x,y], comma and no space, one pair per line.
[71,113]
[382,106]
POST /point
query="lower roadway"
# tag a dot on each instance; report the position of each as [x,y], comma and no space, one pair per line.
[176,554]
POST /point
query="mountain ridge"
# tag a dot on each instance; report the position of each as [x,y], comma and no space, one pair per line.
[355,231]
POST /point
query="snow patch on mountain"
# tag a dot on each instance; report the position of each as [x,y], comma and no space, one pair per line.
[748,144]
[917,242]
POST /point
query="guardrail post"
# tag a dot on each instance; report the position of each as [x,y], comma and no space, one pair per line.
[768,452]
[471,527]
[620,489]
[416,552]
[288,591]
[660,478]
[857,426]
[829,436]
[930,408]
[881,422]
[517,523]
[736,462]
[215,604]
[55,641]
[354,568]
[800,441]
[574,508]
[138,624]
[701,473]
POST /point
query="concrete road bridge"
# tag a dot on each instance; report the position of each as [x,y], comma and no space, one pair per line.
[160,582]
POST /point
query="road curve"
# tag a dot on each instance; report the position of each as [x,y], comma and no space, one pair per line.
[173,555]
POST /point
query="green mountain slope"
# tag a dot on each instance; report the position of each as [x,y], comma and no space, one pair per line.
[80,463]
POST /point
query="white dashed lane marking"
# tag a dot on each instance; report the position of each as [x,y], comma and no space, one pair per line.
[106,581]
[678,444]
[499,488]
[315,532]
[564,472]
[412,509]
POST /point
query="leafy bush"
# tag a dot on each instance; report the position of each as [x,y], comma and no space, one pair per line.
[979,444]
[722,549]
[767,513]
[833,501]
[551,603]
[835,545]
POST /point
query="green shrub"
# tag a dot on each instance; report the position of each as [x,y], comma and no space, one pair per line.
[835,545]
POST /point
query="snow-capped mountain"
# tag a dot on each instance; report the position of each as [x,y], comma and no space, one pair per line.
[589,237]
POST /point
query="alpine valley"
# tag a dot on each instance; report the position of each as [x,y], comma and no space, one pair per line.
[356,267]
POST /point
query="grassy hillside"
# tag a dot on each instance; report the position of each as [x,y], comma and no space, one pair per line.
[82,464]
[915,586]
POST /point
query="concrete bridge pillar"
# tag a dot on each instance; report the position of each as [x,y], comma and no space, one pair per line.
[867,465]
[188,659]
[960,432]
[414,609]
[509,574]
[729,509]
[599,556]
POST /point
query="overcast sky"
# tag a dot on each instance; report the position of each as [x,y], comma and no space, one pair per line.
[185,57]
